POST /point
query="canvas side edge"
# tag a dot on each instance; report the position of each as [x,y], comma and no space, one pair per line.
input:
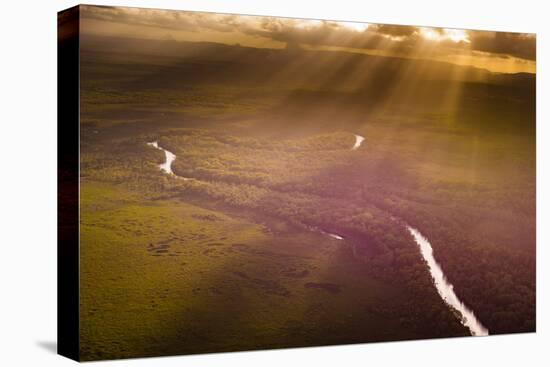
[68,343]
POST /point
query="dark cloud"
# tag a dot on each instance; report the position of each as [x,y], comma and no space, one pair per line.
[329,33]
[315,33]
[520,45]
[295,32]
[396,30]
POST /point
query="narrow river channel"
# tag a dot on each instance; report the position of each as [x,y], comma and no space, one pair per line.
[358,141]
[170,158]
[444,288]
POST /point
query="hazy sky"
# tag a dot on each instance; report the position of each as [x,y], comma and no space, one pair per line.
[495,51]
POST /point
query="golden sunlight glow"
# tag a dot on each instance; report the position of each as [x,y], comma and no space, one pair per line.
[441,34]
[307,23]
[354,26]
[431,34]
[411,42]
[457,35]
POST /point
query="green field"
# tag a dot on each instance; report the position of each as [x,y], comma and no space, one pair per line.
[170,277]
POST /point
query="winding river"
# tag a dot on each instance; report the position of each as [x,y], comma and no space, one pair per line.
[170,158]
[358,141]
[444,288]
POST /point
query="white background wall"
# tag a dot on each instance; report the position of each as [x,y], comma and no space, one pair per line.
[28,183]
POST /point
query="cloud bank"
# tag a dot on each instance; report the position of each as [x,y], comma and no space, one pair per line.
[317,33]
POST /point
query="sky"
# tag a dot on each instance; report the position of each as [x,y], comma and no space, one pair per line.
[503,52]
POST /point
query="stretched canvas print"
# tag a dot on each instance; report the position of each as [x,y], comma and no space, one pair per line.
[234,182]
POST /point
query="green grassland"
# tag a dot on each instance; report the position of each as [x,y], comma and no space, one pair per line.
[164,277]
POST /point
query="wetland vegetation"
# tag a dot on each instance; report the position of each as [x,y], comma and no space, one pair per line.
[268,140]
